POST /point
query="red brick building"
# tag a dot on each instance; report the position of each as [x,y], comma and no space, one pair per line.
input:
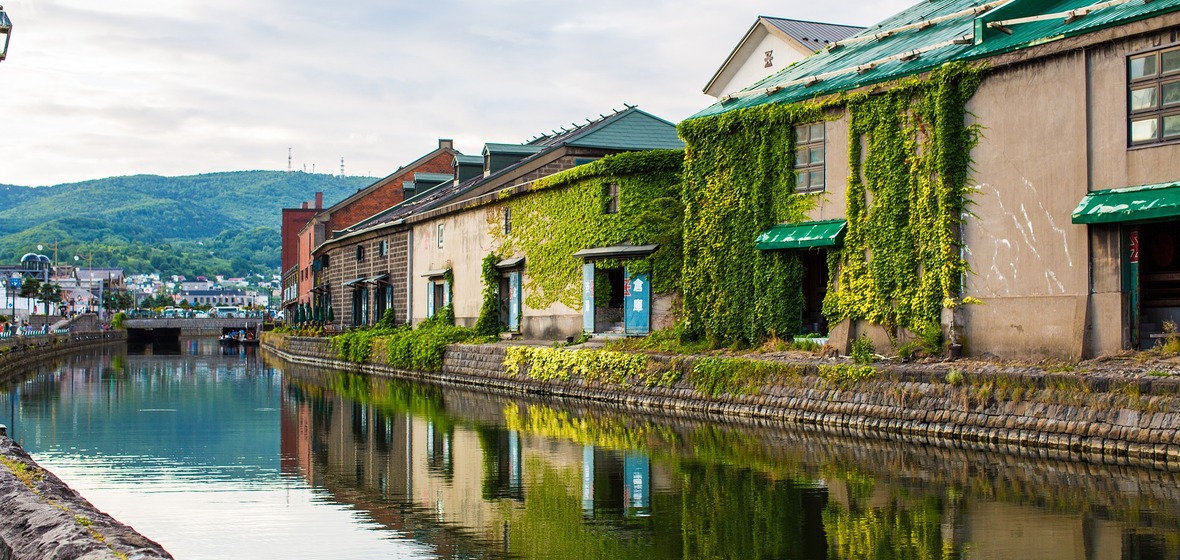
[294,219]
[428,170]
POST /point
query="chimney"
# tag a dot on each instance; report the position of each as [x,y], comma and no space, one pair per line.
[305,205]
[446,143]
[319,200]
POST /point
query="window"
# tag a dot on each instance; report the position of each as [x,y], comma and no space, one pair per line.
[360,253]
[612,199]
[440,236]
[1153,96]
[769,59]
[809,157]
[507,221]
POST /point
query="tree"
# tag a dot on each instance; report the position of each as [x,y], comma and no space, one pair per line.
[49,294]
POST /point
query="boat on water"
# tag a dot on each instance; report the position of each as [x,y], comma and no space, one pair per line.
[246,336]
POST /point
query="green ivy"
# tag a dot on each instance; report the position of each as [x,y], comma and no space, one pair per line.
[739,180]
[714,377]
[419,349]
[900,261]
[604,366]
[488,323]
[565,213]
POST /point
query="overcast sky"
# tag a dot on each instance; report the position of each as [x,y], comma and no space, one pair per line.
[94,89]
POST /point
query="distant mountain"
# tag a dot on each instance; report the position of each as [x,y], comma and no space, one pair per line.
[216,223]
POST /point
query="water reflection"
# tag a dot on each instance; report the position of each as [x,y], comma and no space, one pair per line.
[526,479]
[282,461]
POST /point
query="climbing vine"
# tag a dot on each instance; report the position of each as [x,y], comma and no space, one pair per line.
[739,180]
[901,262]
[566,212]
[488,323]
[909,155]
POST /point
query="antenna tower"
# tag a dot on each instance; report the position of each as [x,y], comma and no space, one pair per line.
[341,167]
[288,160]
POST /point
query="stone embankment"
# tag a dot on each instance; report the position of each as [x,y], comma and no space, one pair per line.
[1090,417]
[40,516]
[19,353]
[44,518]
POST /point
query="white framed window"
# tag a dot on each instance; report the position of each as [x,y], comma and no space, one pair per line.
[440,236]
[809,157]
[1153,96]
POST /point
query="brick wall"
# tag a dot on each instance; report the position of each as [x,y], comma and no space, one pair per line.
[386,193]
[343,267]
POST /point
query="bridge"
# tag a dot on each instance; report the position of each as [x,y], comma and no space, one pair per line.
[141,329]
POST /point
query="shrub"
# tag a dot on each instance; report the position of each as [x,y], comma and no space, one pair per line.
[863,351]
[1170,344]
[117,320]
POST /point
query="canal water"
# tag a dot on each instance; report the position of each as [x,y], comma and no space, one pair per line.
[227,454]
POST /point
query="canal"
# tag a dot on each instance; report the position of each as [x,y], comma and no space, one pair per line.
[229,454]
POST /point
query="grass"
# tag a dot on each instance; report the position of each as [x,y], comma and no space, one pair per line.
[29,476]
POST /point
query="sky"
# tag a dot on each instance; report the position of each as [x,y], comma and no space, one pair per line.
[179,87]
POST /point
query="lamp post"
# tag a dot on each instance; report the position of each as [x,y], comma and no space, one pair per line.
[5,33]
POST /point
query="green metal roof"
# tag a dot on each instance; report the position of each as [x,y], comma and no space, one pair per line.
[1132,204]
[806,235]
[902,45]
[513,149]
[462,159]
[633,130]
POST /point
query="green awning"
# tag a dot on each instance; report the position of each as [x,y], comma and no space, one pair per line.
[806,235]
[1132,204]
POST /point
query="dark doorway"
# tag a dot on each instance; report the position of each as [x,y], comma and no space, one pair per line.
[608,300]
[1159,277]
[815,287]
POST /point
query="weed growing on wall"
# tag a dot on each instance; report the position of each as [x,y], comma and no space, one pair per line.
[566,212]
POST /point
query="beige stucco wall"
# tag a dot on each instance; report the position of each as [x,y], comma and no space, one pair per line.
[832,204]
[468,237]
[1053,130]
[465,244]
[1029,261]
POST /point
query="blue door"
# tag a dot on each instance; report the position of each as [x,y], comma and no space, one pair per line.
[588,297]
[514,301]
[637,303]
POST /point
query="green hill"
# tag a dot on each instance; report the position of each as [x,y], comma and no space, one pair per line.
[216,223]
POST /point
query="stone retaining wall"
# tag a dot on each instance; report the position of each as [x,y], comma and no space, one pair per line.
[1105,421]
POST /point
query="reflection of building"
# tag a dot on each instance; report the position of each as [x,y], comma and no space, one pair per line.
[470,486]
[614,483]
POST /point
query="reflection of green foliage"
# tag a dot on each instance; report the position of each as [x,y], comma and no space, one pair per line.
[554,424]
[748,516]
[393,396]
[890,532]
[551,525]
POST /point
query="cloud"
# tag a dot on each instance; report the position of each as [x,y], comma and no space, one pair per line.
[141,86]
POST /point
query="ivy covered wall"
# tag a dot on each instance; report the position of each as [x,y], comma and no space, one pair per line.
[565,213]
[909,155]
[739,180]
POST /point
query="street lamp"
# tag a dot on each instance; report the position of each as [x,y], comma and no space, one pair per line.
[5,33]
